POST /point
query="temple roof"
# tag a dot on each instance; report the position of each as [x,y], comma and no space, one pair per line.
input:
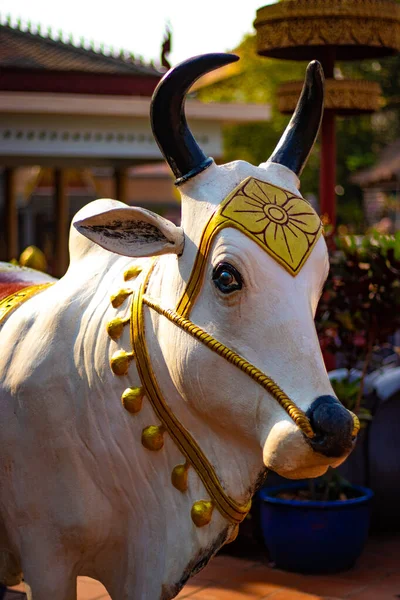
[386,168]
[23,48]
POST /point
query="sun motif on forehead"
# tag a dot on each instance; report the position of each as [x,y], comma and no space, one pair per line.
[286,226]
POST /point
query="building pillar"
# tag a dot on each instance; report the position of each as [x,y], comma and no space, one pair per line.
[11,214]
[28,236]
[327,181]
[121,184]
[61,222]
[328,168]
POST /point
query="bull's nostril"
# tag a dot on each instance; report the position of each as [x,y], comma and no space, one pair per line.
[333,427]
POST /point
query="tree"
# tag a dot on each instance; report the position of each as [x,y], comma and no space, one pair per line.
[359,139]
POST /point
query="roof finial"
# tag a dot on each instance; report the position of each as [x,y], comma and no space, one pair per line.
[166,46]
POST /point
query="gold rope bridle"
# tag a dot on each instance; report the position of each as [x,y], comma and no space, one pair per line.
[183,439]
[253,372]
[153,436]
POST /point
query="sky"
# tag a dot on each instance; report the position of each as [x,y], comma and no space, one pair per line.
[138,26]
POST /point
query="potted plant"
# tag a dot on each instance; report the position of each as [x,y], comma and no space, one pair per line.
[317,528]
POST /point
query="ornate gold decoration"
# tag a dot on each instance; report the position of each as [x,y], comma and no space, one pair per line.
[228,508]
[13,301]
[116,327]
[153,437]
[120,362]
[253,207]
[34,258]
[341,95]
[120,297]
[179,477]
[132,272]
[201,512]
[284,225]
[293,28]
[132,399]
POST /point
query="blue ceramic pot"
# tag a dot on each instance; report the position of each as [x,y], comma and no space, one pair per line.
[314,537]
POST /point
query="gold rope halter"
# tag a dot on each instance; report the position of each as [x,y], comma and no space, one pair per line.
[152,436]
[286,209]
[258,376]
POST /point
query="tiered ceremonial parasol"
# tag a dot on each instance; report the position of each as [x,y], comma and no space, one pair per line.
[330,30]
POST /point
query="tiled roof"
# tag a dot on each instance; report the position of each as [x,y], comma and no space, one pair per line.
[25,49]
[386,168]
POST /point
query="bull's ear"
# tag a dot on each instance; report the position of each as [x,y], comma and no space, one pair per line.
[132,231]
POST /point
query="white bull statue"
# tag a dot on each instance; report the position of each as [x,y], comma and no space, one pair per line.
[145,394]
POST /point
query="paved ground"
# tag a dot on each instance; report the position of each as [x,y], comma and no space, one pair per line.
[376,577]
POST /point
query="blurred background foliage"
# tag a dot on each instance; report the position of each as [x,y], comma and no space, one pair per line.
[360,306]
[359,139]
[359,312]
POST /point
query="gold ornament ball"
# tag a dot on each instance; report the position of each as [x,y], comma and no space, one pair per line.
[116,327]
[120,362]
[132,399]
[153,437]
[33,258]
[201,512]
[132,272]
[120,297]
[179,477]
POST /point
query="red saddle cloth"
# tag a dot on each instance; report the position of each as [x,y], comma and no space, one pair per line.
[11,281]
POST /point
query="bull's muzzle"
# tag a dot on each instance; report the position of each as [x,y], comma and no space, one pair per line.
[333,426]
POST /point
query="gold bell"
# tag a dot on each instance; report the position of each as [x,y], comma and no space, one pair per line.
[201,512]
[120,297]
[153,437]
[179,477]
[116,327]
[132,272]
[132,399]
[233,535]
[120,362]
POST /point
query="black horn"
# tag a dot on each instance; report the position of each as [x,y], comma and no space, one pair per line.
[299,136]
[167,115]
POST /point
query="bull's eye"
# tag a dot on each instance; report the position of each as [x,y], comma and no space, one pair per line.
[226,278]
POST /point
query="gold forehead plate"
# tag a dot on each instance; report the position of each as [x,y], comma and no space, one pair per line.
[284,225]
